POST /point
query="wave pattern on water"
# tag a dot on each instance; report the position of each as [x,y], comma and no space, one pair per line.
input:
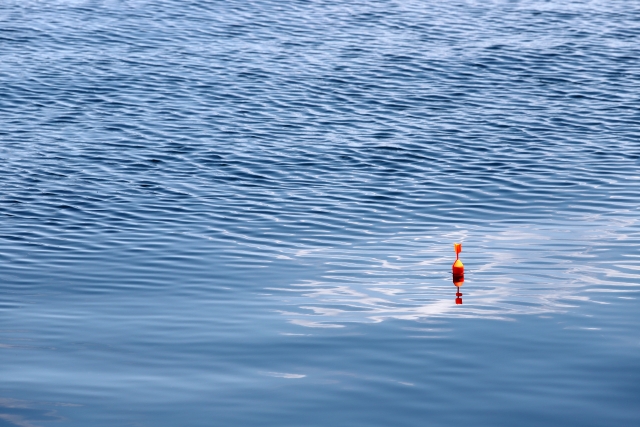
[268,131]
[204,166]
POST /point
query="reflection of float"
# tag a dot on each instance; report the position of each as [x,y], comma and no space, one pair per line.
[458,272]
[458,296]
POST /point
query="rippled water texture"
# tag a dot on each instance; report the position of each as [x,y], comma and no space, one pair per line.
[242,213]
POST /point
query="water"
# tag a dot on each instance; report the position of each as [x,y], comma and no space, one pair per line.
[241,213]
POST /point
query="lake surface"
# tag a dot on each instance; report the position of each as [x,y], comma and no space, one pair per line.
[242,213]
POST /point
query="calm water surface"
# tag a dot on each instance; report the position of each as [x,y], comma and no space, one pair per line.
[241,213]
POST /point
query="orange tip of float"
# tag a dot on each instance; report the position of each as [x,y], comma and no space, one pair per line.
[457,247]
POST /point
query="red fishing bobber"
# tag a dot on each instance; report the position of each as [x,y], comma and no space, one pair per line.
[458,267]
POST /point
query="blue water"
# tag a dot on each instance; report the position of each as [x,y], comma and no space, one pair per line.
[242,213]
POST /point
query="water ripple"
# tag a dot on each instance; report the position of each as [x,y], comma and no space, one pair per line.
[168,166]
